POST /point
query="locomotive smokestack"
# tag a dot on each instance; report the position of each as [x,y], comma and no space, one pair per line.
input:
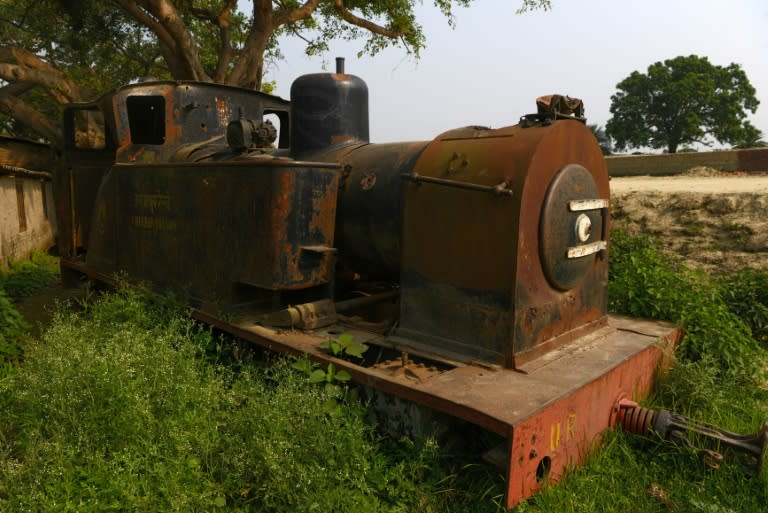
[328,109]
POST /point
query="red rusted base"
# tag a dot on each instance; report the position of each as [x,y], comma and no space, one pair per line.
[562,432]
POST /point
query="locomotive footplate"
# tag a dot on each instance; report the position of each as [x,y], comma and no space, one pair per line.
[551,411]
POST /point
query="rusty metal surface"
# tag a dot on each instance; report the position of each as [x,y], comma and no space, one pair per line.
[207,227]
[493,397]
[678,428]
[564,226]
[370,213]
[75,186]
[491,300]
[164,116]
[167,115]
[494,241]
[565,431]
[328,109]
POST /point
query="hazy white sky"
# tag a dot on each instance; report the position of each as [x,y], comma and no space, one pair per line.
[492,66]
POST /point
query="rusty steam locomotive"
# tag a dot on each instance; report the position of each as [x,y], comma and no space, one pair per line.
[477,261]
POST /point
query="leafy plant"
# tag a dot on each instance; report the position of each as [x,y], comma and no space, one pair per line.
[121,408]
[25,276]
[644,282]
[13,329]
[746,294]
[344,345]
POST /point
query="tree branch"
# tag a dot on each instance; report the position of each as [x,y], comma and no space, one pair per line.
[20,65]
[350,18]
[285,16]
[222,21]
[143,16]
[13,106]
[180,49]
[247,71]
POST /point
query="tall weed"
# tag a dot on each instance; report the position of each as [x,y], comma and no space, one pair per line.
[25,276]
[119,409]
[13,329]
[644,282]
[746,294]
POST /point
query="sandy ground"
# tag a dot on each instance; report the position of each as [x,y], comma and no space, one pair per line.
[713,220]
[735,184]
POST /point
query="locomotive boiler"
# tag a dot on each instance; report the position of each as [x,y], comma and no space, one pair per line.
[476,262]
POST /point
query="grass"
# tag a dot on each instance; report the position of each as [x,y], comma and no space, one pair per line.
[121,408]
[127,405]
[20,278]
[23,277]
[13,329]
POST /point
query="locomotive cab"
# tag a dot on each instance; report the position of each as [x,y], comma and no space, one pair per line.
[149,122]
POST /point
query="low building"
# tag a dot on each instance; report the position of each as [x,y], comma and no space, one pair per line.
[27,212]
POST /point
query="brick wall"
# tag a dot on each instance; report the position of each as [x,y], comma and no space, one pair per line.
[752,160]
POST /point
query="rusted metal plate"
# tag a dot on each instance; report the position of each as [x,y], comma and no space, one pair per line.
[153,120]
[488,276]
[252,223]
[144,122]
[370,213]
[566,235]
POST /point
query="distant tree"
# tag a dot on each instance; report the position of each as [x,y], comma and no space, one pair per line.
[57,51]
[603,139]
[752,138]
[681,101]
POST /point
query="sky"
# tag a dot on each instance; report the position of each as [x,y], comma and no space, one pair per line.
[492,66]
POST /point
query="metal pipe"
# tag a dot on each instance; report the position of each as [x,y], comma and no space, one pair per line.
[349,304]
[340,65]
[20,171]
[501,189]
[674,427]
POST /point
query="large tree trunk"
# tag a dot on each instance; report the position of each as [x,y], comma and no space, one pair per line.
[176,42]
[249,68]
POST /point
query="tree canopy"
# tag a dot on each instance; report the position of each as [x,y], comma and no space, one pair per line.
[53,52]
[682,101]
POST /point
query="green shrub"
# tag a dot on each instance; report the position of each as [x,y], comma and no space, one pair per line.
[119,409]
[13,329]
[746,294]
[644,282]
[24,277]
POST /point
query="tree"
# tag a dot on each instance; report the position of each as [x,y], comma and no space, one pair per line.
[606,145]
[752,138]
[681,101]
[58,51]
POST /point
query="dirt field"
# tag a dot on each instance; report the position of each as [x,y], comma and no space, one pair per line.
[713,220]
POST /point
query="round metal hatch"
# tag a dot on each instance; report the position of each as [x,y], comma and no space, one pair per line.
[571,229]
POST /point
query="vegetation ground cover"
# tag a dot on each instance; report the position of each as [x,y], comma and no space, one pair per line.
[127,405]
